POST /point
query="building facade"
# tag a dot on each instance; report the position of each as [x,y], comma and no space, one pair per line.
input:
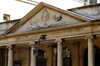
[70,38]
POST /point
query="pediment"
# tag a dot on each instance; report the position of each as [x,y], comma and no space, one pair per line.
[45,18]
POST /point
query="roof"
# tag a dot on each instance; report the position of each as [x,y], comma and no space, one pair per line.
[98,4]
[11,21]
[83,15]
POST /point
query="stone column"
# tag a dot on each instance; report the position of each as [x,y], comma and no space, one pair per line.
[90,51]
[33,57]
[59,52]
[76,53]
[10,55]
[88,2]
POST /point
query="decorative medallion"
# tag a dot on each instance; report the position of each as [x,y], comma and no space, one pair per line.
[45,15]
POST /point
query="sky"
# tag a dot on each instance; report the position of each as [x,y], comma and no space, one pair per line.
[17,10]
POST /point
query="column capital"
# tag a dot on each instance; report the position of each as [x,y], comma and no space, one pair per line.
[32,44]
[89,37]
[9,46]
[58,40]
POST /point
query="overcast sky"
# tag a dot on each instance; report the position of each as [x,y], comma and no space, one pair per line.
[18,9]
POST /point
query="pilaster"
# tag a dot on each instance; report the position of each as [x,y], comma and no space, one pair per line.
[76,53]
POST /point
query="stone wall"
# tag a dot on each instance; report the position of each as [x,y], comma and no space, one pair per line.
[90,10]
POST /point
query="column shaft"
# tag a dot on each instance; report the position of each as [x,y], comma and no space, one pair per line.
[10,57]
[90,52]
[33,57]
[59,52]
[59,55]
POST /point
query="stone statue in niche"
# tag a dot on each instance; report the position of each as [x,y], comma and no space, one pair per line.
[66,53]
[58,20]
[45,15]
[33,24]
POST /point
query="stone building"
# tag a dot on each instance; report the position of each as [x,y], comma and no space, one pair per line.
[62,37]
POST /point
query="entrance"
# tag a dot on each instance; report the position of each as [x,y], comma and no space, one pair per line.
[67,61]
[41,59]
[96,56]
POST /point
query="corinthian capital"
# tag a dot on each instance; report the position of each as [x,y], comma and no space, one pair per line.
[9,46]
[89,37]
[58,40]
[32,44]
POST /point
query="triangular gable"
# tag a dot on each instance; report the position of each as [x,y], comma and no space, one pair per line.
[40,17]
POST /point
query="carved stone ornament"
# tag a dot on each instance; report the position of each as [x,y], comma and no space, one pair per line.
[58,40]
[66,53]
[32,44]
[9,46]
[89,37]
[33,24]
[45,15]
[57,18]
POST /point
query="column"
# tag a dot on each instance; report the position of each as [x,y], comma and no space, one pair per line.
[33,57]
[10,55]
[90,51]
[88,2]
[59,52]
[76,53]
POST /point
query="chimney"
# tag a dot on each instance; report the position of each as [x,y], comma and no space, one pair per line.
[6,17]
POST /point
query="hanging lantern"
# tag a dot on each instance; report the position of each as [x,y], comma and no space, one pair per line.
[39,52]
[35,52]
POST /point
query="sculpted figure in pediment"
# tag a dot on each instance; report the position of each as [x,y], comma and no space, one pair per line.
[45,15]
[33,24]
[58,20]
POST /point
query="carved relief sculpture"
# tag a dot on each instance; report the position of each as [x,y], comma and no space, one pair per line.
[33,24]
[58,20]
[66,53]
[45,15]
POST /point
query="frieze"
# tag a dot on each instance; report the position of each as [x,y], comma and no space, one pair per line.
[51,34]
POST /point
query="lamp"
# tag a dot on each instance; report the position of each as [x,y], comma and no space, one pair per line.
[39,52]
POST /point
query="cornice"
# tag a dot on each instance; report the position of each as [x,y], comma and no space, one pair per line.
[48,30]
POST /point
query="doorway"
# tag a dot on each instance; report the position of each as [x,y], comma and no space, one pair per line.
[96,56]
[41,58]
[67,61]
